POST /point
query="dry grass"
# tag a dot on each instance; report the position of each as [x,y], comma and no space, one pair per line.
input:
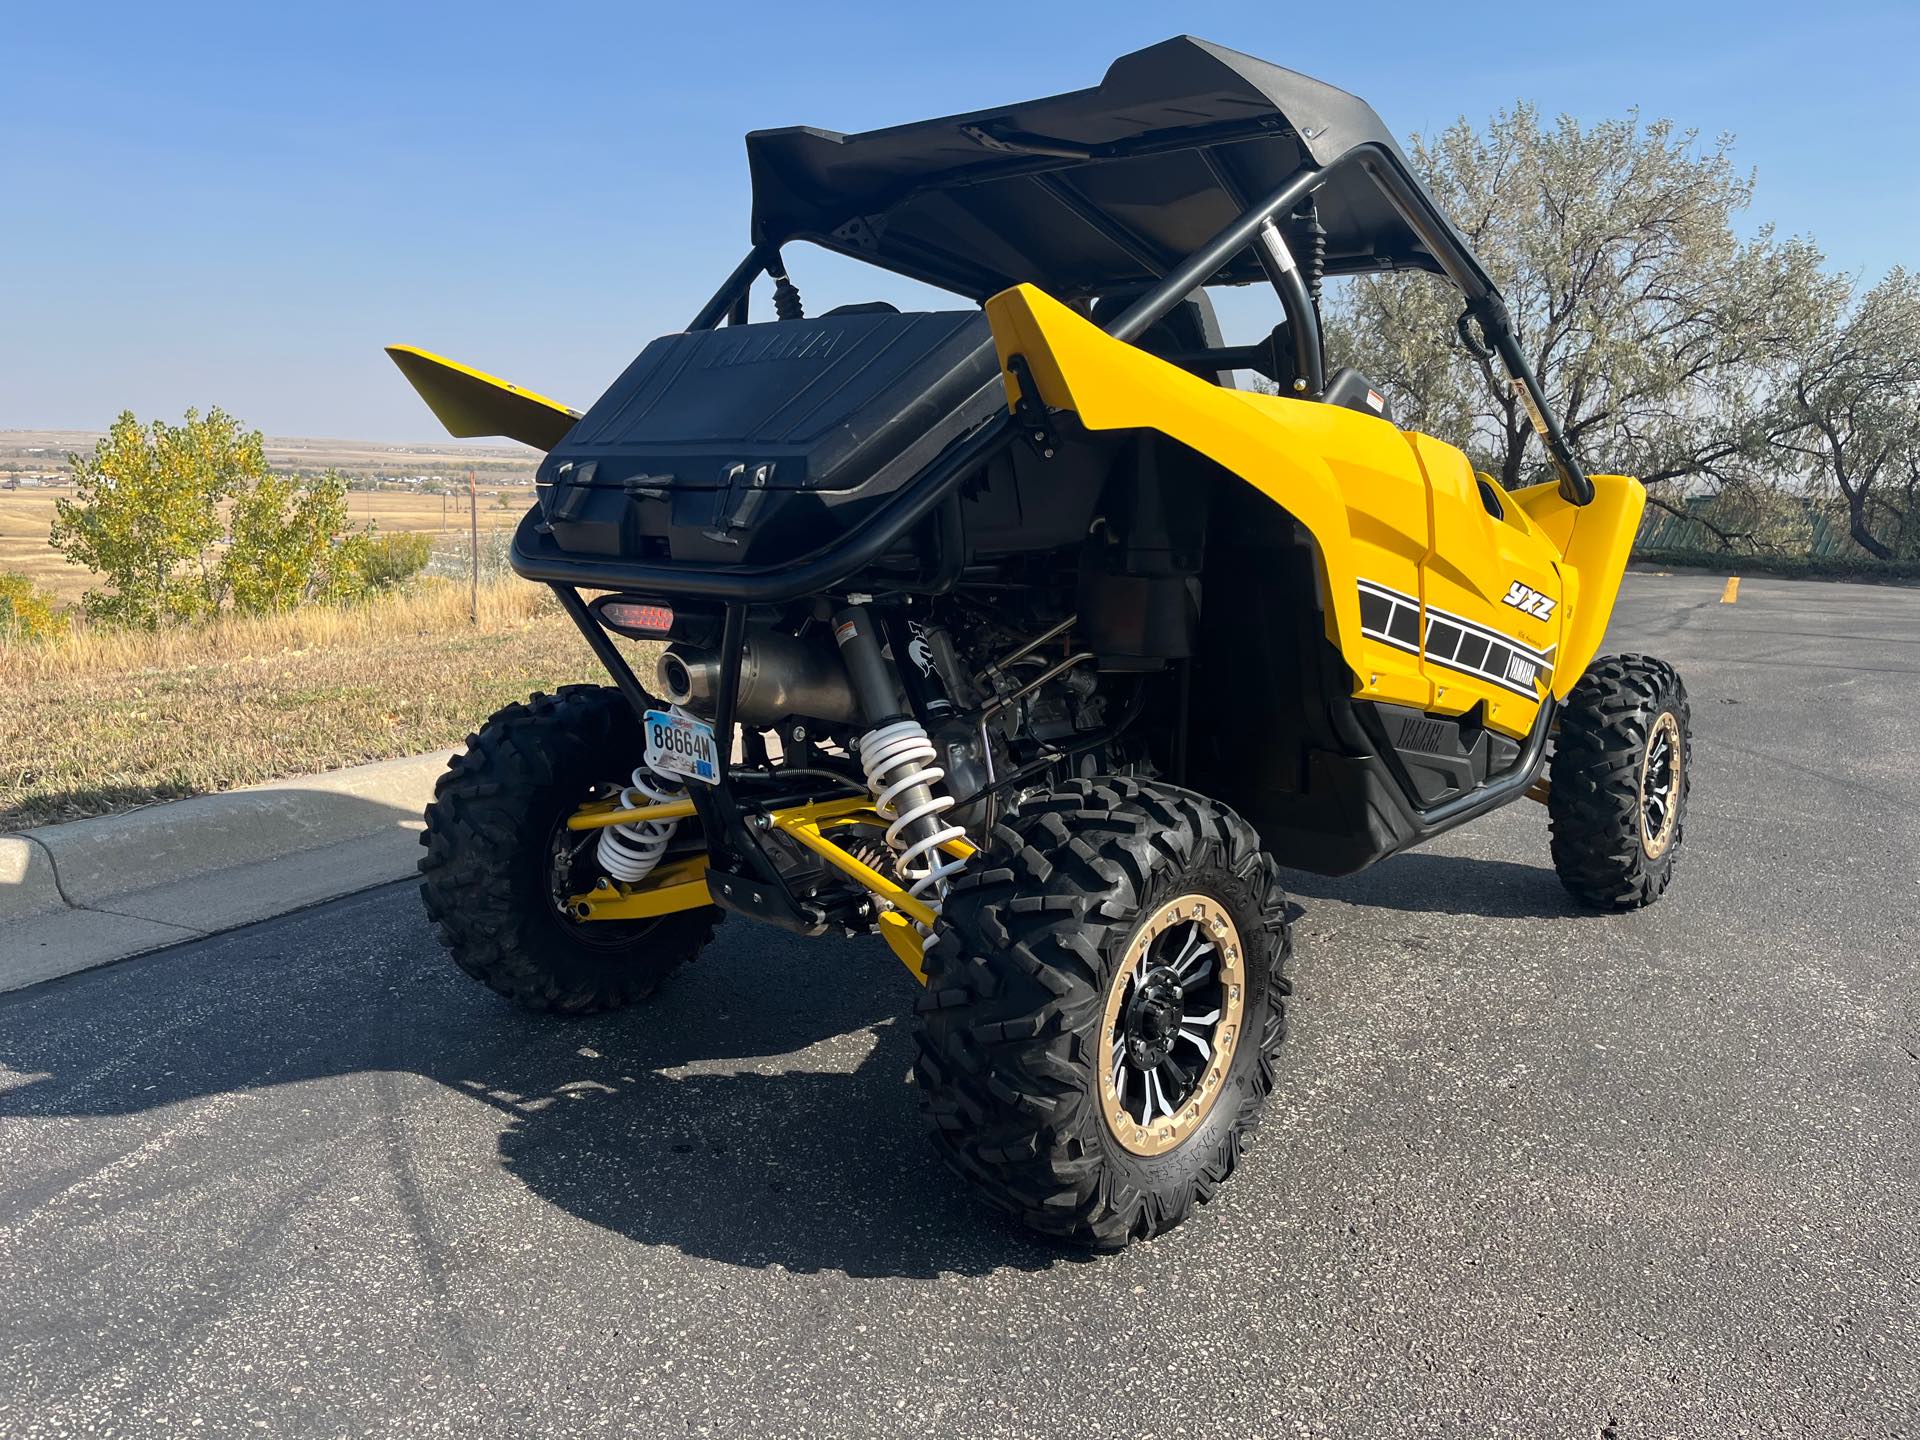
[108,720]
[26,516]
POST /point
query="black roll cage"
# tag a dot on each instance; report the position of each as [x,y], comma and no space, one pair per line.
[758,887]
[1484,304]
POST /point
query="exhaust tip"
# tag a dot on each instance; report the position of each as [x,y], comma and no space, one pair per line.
[674,678]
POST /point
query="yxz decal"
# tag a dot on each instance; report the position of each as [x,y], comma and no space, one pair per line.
[1525,597]
[1390,616]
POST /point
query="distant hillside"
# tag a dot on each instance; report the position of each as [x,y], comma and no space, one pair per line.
[38,452]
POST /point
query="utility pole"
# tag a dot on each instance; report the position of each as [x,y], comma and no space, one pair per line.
[473,527]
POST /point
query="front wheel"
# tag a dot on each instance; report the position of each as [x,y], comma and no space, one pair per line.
[1619,781]
[1104,1008]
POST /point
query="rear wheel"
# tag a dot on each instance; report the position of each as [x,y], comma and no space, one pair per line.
[500,860]
[1104,1008]
[1620,777]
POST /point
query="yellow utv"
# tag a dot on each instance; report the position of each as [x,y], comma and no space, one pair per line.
[1037,635]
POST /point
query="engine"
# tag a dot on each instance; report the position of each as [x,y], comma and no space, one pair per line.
[940,713]
[1003,700]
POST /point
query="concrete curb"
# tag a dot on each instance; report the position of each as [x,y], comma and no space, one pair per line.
[79,895]
[28,885]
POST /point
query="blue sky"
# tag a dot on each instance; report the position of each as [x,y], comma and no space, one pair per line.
[239,205]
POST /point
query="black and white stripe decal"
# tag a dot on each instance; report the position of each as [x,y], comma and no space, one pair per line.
[1393,618]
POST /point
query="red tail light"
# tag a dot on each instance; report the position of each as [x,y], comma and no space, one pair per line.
[643,617]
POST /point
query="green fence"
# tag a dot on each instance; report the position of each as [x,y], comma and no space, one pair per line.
[1787,525]
[1777,534]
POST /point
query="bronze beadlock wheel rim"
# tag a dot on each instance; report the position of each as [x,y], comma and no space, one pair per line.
[1173,1021]
[1660,781]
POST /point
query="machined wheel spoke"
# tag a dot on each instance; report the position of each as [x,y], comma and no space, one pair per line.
[1198,1041]
[1183,1082]
[1179,961]
[1181,966]
[1212,1017]
[1156,1097]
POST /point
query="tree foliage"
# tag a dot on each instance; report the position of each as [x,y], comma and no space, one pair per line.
[1857,392]
[146,514]
[180,520]
[1665,340]
[27,613]
[288,543]
[388,561]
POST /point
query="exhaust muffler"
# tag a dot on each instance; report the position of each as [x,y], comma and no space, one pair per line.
[780,675]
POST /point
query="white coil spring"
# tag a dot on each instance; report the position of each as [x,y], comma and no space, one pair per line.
[897,757]
[629,853]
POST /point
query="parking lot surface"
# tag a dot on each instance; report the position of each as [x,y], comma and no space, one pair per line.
[1527,1170]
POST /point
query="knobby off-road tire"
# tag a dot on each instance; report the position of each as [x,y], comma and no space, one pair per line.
[1022,1012]
[1620,775]
[488,874]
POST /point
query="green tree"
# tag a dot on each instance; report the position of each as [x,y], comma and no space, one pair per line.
[27,613]
[286,543]
[146,514]
[1858,393]
[391,560]
[1666,341]
[180,520]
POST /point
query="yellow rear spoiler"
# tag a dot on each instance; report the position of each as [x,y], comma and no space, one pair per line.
[471,402]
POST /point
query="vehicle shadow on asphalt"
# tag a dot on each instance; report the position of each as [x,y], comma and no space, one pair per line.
[765,1160]
[1429,884]
[735,1118]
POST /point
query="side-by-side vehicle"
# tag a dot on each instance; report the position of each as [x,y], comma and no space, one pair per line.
[1038,634]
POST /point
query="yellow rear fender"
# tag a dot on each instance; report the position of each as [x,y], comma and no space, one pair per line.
[1348,478]
[470,402]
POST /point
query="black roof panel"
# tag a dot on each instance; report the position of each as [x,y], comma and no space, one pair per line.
[1085,192]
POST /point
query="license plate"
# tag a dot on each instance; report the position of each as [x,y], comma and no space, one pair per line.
[678,745]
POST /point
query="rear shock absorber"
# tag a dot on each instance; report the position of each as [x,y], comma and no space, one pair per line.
[629,853]
[898,760]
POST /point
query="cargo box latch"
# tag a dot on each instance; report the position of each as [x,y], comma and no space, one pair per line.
[746,493]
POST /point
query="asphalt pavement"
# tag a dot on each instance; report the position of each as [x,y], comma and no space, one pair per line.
[1528,1171]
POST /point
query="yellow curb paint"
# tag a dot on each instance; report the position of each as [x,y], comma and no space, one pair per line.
[1732,593]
